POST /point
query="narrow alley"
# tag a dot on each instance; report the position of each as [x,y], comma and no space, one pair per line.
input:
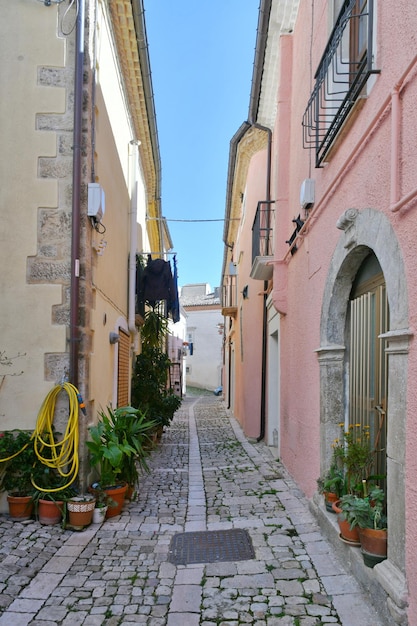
[219,535]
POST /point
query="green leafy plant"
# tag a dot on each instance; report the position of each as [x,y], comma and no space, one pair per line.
[117,444]
[333,481]
[365,512]
[134,425]
[18,462]
[353,454]
[150,393]
[53,496]
[102,498]
[155,329]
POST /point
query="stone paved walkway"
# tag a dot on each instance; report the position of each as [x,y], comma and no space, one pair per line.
[205,476]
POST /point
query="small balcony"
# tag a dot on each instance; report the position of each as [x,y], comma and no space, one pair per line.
[229,296]
[341,76]
[262,241]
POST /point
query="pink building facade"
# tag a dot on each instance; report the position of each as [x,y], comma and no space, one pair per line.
[319,271]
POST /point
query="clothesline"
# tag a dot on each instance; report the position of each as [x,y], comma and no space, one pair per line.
[168,219]
[159,252]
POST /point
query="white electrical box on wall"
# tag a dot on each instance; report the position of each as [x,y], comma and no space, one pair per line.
[307,193]
[96,201]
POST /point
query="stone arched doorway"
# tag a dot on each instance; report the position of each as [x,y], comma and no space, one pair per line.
[368,231]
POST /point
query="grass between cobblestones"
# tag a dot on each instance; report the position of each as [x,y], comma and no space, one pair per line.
[123,576]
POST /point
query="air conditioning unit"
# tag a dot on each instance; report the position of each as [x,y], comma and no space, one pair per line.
[232,269]
[96,202]
[307,193]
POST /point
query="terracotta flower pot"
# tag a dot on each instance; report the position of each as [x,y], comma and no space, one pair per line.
[50,512]
[129,492]
[80,511]
[346,534]
[20,507]
[117,494]
[374,541]
[329,499]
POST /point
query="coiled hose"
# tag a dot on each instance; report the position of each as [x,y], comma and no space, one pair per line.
[62,455]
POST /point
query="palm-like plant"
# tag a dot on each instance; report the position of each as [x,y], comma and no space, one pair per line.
[117,445]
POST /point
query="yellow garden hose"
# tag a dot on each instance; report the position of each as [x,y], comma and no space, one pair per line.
[12,456]
[62,455]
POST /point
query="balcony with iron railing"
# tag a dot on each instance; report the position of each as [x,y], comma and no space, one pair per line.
[262,241]
[229,296]
[343,72]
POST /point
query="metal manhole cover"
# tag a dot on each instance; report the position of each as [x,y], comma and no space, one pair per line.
[211,547]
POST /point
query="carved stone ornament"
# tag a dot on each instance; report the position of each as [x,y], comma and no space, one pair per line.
[347,223]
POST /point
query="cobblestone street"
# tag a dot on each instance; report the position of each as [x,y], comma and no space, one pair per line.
[205,477]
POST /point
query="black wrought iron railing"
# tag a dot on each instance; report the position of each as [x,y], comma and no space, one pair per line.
[262,230]
[342,74]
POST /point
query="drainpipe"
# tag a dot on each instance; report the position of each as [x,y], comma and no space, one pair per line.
[133,183]
[229,373]
[265,8]
[265,294]
[76,195]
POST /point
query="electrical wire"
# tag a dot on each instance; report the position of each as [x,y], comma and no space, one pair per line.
[68,31]
[222,219]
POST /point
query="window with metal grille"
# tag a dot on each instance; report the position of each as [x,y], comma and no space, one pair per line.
[341,76]
[123,369]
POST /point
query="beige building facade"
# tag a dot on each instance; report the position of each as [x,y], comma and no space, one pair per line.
[79,198]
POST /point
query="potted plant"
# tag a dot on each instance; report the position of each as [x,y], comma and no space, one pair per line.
[133,426]
[49,508]
[344,507]
[80,510]
[116,446]
[102,503]
[354,458]
[151,392]
[367,514]
[332,485]
[18,462]
[50,495]
[352,452]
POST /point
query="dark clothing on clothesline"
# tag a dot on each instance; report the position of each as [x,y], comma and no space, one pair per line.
[154,283]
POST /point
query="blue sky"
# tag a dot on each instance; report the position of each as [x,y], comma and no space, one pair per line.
[201,55]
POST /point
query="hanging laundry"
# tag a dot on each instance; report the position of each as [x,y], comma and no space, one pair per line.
[140,300]
[157,281]
[174,304]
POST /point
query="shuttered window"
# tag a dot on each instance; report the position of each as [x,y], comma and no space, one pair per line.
[123,370]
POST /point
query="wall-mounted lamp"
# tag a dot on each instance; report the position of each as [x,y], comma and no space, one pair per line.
[114,338]
[245,292]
